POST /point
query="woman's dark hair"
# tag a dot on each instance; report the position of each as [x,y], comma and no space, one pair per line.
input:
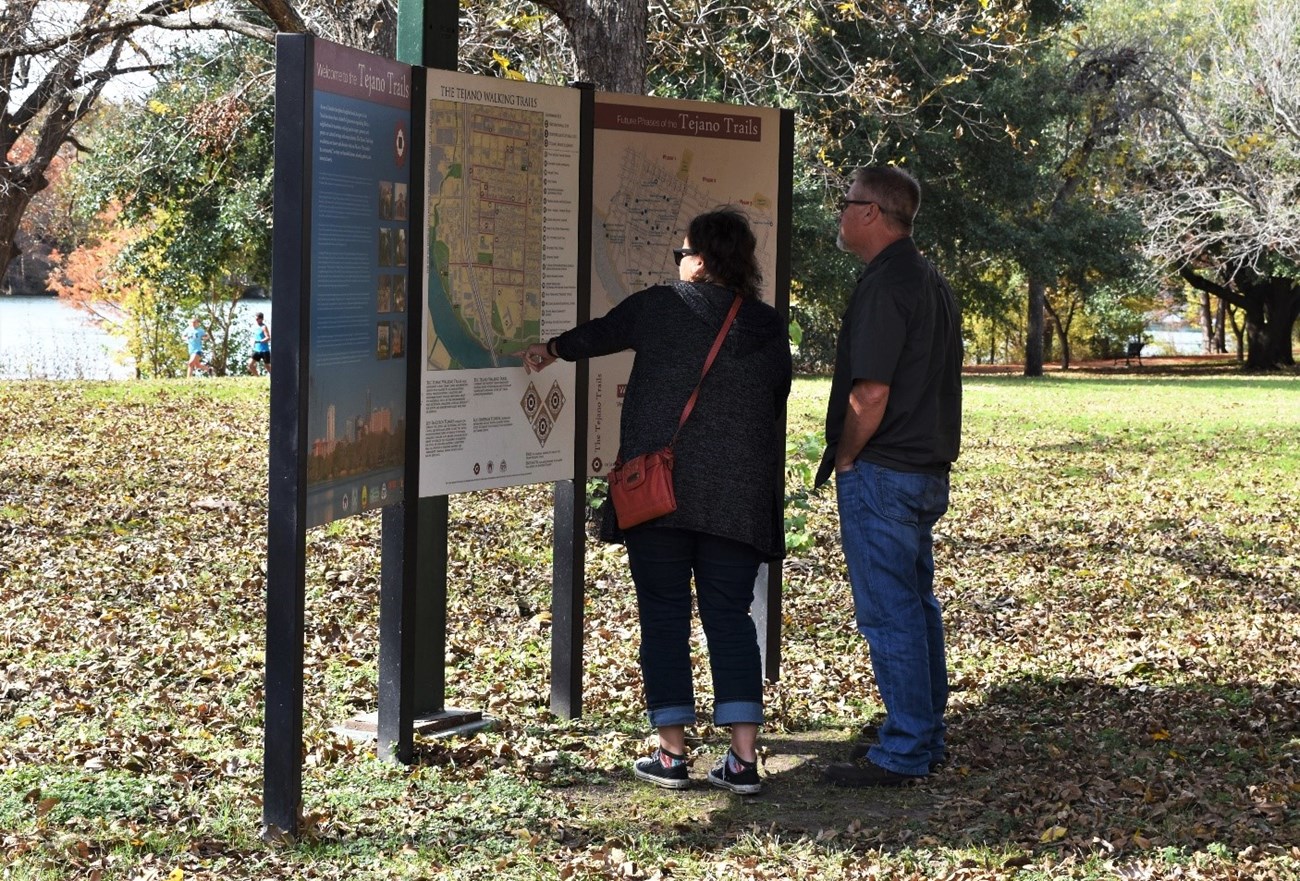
[727,248]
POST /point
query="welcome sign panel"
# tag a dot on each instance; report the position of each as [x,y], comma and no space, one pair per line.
[360,229]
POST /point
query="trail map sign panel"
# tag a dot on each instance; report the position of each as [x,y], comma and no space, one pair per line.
[500,273]
[360,190]
[659,163]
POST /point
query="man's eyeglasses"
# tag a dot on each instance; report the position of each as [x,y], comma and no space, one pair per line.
[679,253]
[845,203]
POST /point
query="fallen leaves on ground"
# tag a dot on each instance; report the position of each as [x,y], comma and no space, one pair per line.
[1122,623]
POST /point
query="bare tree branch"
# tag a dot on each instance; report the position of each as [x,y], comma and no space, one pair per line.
[131,24]
[283,13]
[1223,156]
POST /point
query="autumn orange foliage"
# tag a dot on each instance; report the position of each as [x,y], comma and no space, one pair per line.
[85,277]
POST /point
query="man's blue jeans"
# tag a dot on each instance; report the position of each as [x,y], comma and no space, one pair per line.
[886,523]
[662,562]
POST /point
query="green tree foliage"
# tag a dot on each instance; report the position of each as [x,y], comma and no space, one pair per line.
[191,171]
[821,275]
[1115,316]
[1024,127]
[96,278]
[865,79]
[1012,139]
[1014,164]
[57,60]
[148,321]
[862,77]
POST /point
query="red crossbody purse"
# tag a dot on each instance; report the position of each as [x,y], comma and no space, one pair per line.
[641,489]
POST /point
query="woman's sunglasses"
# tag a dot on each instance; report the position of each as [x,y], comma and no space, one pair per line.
[679,253]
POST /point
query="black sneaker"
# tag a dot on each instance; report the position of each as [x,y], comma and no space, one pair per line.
[864,773]
[736,774]
[663,768]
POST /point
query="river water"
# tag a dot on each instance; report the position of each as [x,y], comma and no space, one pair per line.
[44,338]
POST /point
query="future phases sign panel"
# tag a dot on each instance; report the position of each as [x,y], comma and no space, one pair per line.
[660,163]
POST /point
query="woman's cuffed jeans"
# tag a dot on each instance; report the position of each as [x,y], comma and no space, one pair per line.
[886,524]
[663,561]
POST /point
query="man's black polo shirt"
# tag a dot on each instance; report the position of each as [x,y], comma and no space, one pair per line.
[902,328]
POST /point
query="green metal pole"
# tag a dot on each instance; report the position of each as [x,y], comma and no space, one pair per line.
[428,32]
[428,35]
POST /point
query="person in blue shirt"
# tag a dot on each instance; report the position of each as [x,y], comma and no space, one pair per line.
[261,345]
[194,341]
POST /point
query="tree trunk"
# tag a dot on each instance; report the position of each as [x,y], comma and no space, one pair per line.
[609,41]
[1220,323]
[1061,329]
[1285,313]
[1258,340]
[1034,327]
[1207,324]
[13,202]
[1271,309]
[68,98]
[1238,333]
[1271,306]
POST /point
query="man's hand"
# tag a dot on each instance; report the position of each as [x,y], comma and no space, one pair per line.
[866,408]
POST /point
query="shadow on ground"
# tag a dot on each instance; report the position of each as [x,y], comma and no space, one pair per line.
[1050,766]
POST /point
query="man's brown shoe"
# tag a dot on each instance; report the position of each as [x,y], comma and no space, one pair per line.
[864,772]
[859,750]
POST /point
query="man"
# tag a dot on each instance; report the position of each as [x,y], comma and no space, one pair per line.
[261,345]
[893,427]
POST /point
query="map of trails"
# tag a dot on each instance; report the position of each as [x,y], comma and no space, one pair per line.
[485,234]
[647,216]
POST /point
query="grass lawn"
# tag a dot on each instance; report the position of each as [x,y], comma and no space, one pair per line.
[1119,571]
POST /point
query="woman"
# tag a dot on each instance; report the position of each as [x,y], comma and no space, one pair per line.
[194,337]
[727,480]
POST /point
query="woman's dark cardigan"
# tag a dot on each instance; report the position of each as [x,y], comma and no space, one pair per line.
[730,452]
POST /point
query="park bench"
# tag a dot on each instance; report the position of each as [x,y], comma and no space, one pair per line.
[1131,351]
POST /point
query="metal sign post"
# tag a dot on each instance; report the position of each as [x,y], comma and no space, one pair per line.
[287,506]
[414,571]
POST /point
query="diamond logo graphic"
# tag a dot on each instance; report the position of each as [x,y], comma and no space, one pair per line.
[542,412]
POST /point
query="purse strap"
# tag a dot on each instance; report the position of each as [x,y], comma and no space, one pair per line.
[708,362]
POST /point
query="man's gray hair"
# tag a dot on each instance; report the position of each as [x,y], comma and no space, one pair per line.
[895,190]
